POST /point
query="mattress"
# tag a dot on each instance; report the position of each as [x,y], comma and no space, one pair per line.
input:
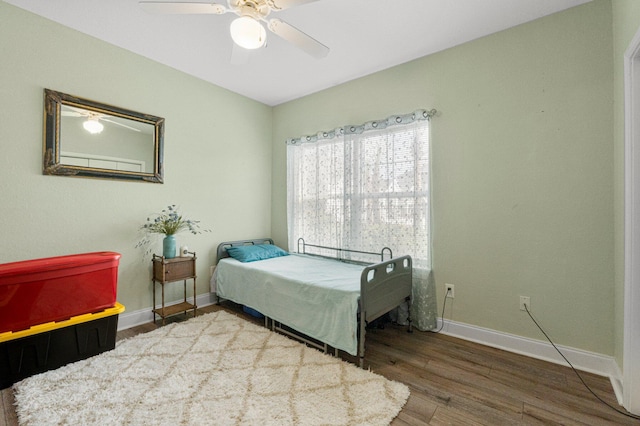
[314,296]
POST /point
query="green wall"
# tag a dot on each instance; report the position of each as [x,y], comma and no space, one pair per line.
[522,170]
[211,154]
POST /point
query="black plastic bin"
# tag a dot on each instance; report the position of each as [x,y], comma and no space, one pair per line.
[49,346]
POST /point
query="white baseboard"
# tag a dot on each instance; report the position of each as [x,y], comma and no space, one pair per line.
[602,365]
[144,316]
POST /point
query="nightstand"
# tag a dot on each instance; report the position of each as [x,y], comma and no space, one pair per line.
[166,271]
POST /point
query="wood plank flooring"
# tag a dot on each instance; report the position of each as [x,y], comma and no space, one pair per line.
[455,382]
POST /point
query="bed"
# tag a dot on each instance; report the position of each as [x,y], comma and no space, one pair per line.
[328,299]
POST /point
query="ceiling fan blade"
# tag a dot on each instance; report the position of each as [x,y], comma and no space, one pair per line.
[175,7]
[285,4]
[69,108]
[72,114]
[296,37]
[119,124]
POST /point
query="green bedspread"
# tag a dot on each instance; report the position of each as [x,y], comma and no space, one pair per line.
[315,296]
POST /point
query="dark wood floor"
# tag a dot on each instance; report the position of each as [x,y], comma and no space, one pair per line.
[455,382]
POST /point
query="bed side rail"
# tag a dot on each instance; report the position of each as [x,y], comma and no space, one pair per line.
[340,252]
[222,247]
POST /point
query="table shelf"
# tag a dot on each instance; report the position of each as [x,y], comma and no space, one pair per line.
[174,309]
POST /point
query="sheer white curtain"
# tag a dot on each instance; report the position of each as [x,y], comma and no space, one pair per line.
[365,187]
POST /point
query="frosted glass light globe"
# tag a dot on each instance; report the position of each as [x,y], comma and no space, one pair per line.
[248,33]
[93,126]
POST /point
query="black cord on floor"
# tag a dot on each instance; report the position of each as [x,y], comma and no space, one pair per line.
[444,303]
[576,371]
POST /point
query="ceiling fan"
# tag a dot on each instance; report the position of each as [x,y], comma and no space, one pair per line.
[92,124]
[247,30]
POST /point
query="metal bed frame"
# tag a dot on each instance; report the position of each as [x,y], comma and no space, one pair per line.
[302,248]
[383,287]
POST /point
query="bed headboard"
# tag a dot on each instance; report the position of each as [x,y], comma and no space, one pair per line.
[222,247]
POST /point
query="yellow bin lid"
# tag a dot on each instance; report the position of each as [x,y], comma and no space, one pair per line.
[49,326]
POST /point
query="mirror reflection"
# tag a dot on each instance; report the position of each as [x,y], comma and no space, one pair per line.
[101,140]
[85,138]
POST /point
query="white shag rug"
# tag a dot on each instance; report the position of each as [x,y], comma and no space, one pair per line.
[215,369]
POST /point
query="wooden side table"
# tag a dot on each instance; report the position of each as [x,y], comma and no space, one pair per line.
[170,270]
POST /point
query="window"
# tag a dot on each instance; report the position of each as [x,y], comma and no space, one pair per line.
[364,188]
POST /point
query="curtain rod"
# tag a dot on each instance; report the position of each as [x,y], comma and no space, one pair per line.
[417,115]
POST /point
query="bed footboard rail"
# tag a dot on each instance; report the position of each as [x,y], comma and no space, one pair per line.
[383,287]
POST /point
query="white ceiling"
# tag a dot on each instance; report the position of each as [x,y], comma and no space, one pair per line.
[364,36]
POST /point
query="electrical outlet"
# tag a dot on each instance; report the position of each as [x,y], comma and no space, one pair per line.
[449,289]
[524,300]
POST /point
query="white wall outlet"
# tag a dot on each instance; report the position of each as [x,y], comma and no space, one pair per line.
[524,300]
[449,290]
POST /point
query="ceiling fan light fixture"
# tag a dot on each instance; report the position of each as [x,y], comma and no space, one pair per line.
[93,126]
[248,33]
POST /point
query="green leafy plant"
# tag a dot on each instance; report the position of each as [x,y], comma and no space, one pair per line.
[168,222]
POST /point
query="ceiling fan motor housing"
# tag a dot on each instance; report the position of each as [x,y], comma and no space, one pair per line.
[256,9]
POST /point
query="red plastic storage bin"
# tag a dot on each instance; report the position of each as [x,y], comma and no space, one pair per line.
[56,288]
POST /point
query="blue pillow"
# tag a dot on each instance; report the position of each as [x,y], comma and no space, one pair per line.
[255,252]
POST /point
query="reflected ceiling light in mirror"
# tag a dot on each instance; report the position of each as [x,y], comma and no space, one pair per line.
[248,33]
[92,125]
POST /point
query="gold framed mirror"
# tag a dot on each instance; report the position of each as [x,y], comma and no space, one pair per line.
[84,138]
